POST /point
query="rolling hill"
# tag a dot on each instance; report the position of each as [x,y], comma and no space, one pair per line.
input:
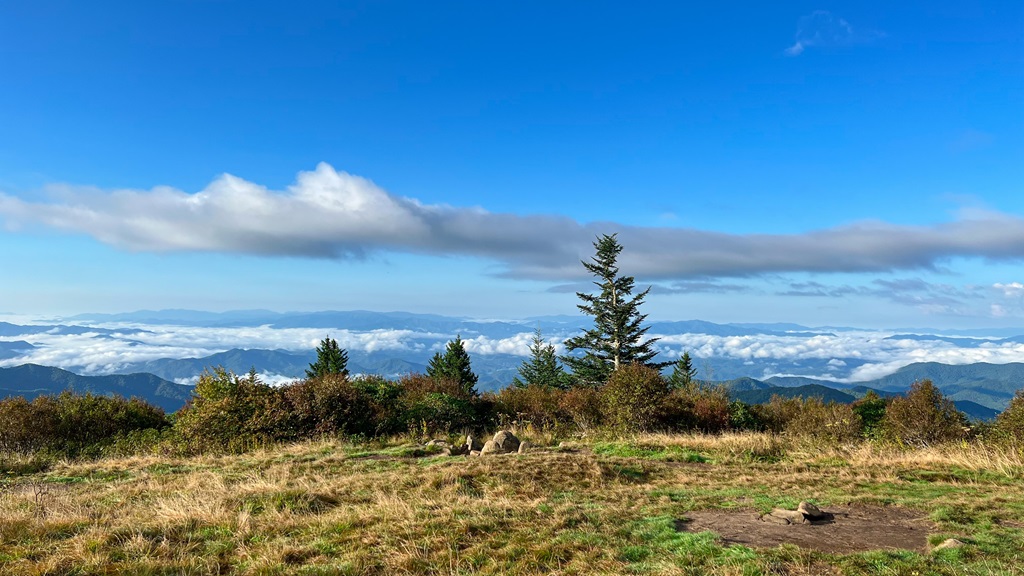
[31,380]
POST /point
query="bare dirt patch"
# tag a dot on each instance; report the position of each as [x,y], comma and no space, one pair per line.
[852,529]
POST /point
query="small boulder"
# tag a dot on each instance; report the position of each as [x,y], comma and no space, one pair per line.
[781,516]
[474,453]
[524,446]
[473,443]
[489,448]
[506,442]
[812,512]
[772,519]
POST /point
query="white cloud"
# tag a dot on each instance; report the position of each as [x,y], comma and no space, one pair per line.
[1011,289]
[822,29]
[330,214]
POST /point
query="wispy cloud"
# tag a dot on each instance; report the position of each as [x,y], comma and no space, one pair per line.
[330,214]
[929,297]
[822,29]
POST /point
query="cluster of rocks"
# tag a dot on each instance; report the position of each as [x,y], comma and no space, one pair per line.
[504,442]
[805,513]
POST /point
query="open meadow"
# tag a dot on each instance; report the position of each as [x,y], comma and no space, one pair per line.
[642,504]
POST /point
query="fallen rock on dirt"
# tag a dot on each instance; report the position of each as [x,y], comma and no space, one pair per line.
[812,512]
[805,513]
[852,529]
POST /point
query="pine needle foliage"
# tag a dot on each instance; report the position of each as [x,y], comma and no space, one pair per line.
[683,373]
[454,365]
[330,359]
[543,368]
[617,338]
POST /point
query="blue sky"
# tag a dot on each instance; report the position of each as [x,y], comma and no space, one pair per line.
[826,163]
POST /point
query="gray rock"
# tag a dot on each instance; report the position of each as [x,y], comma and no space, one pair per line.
[473,443]
[524,446]
[812,512]
[474,453]
[774,519]
[790,516]
[489,448]
[506,442]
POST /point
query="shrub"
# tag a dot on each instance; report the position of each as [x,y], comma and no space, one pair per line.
[533,403]
[696,407]
[778,412]
[1010,422]
[871,409]
[743,416]
[924,416]
[436,405]
[27,427]
[384,396]
[582,405]
[231,413]
[632,396]
[73,424]
[329,405]
[831,423]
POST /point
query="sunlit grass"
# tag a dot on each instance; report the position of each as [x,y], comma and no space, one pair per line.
[606,506]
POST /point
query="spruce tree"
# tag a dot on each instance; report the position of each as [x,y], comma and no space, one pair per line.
[683,372]
[330,359]
[542,368]
[454,364]
[615,340]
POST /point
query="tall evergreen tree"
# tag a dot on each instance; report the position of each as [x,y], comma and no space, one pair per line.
[683,372]
[330,359]
[454,364]
[616,340]
[542,368]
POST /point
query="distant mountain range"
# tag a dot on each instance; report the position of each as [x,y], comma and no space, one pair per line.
[957,382]
[30,380]
[757,392]
[177,345]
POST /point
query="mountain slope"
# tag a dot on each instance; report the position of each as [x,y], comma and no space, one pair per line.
[31,380]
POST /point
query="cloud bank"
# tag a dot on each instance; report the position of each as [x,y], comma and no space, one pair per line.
[331,214]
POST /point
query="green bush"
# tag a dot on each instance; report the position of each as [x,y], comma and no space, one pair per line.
[632,397]
[73,425]
[385,398]
[923,417]
[437,405]
[1009,424]
[330,405]
[743,416]
[232,413]
[871,409]
[27,427]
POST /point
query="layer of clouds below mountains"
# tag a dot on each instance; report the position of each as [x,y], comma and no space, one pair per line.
[844,356]
[332,214]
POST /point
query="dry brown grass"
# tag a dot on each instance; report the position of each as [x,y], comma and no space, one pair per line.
[332,508]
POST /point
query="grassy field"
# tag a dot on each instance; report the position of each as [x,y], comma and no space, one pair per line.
[582,507]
